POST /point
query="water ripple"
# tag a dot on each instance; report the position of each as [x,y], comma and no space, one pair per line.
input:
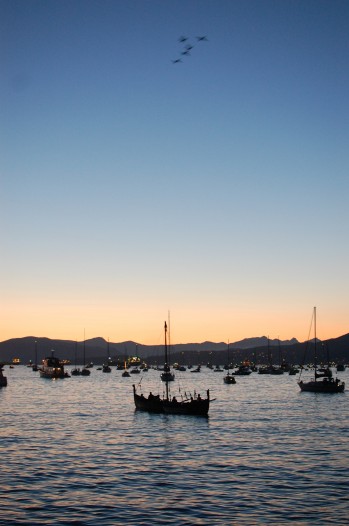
[76,452]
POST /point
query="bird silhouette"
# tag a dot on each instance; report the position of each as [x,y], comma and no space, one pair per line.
[188,47]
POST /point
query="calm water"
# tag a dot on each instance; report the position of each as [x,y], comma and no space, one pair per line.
[74,451]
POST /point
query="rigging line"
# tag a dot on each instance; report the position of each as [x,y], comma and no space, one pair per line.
[307,344]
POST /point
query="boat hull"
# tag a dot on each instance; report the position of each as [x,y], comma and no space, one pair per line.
[322,387]
[154,404]
[194,407]
[52,368]
[53,374]
[229,379]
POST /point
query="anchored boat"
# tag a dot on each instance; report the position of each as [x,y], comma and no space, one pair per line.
[52,368]
[186,405]
[323,381]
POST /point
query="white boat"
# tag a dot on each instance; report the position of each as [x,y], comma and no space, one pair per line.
[323,381]
[52,368]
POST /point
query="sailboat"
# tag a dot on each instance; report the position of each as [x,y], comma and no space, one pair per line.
[35,365]
[167,376]
[106,368]
[85,371]
[323,381]
[76,371]
[229,378]
[169,404]
[125,374]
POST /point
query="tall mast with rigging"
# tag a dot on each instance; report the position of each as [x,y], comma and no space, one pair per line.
[166,367]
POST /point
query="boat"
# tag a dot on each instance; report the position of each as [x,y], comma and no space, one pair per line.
[125,373]
[270,368]
[35,365]
[243,369]
[106,367]
[229,378]
[166,375]
[3,379]
[179,367]
[85,371]
[187,405]
[76,371]
[323,381]
[293,370]
[52,368]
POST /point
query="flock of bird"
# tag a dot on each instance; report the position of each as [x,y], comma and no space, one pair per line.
[187,47]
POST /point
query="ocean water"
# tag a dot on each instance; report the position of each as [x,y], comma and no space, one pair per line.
[75,451]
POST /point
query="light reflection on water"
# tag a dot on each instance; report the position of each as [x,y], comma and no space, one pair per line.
[74,451]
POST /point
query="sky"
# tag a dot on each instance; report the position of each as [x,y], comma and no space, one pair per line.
[211,191]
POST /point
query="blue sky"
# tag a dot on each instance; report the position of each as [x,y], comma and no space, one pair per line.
[215,188]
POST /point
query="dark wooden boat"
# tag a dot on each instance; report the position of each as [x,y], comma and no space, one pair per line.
[191,406]
[323,381]
[187,405]
[151,404]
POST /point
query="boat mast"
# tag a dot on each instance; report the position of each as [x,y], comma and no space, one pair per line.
[315,356]
[166,367]
[169,339]
[84,361]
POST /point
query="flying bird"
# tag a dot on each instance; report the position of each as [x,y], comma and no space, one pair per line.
[188,46]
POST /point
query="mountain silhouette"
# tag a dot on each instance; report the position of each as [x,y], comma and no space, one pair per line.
[97,350]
